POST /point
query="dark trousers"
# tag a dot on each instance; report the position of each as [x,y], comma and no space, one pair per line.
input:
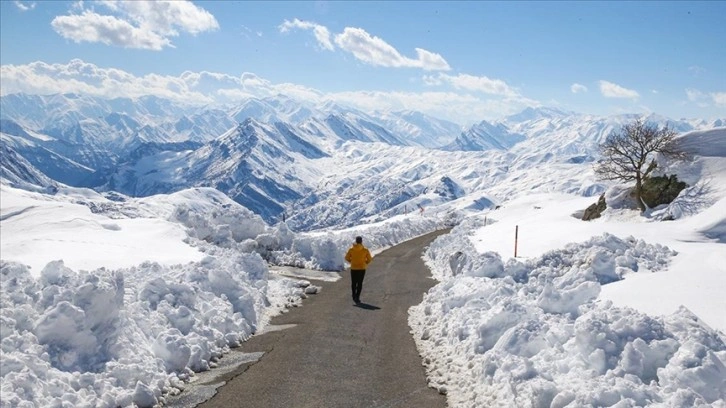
[356,279]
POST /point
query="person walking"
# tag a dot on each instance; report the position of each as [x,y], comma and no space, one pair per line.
[359,257]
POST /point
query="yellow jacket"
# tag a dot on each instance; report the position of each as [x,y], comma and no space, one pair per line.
[358,256]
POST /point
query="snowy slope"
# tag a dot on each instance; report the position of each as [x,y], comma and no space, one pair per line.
[136,295]
[349,126]
[491,332]
[258,165]
[151,290]
[46,161]
[19,173]
[85,129]
[624,310]
[151,146]
[419,129]
[485,136]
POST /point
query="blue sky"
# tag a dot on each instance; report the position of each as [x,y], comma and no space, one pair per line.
[464,61]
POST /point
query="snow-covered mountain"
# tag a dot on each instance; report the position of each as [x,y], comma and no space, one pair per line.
[141,147]
[485,136]
[94,133]
[54,160]
[349,126]
[321,165]
[420,129]
[119,288]
[257,109]
[64,110]
[273,109]
[261,166]
[19,173]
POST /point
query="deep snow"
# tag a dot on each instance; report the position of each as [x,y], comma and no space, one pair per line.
[625,310]
[114,301]
[118,302]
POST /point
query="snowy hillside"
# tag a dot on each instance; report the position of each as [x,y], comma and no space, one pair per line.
[623,309]
[260,166]
[485,136]
[19,173]
[139,147]
[136,294]
[620,311]
[418,128]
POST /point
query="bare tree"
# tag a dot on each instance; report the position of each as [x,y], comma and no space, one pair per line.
[629,154]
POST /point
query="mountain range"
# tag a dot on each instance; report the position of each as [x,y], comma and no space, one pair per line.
[316,165]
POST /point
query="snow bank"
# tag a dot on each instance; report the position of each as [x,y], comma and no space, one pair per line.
[86,231]
[119,335]
[229,225]
[125,336]
[325,250]
[533,333]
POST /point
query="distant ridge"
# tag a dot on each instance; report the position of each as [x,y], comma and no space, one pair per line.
[317,165]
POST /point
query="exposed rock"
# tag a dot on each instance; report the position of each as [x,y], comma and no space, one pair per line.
[661,190]
[595,210]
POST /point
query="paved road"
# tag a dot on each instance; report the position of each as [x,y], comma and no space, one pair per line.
[338,354]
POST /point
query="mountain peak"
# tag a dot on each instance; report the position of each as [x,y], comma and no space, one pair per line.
[534,113]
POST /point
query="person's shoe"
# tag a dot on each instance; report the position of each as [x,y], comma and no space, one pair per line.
[356,300]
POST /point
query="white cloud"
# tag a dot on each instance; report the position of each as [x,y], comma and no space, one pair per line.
[430,61]
[321,32]
[81,77]
[367,48]
[719,98]
[135,24]
[432,80]
[165,17]
[701,99]
[461,108]
[696,70]
[205,87]
[191,87]
[704,99]
[109,30]
[247,33]
[694,95]
[611,90]
[24,6]
[375,51]
[473,83]
[577,88]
